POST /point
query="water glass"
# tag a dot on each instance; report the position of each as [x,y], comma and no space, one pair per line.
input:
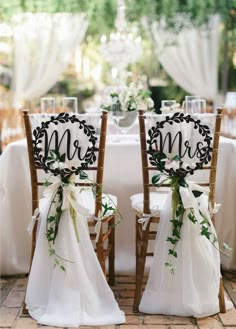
[168,103]
[192,97]
[47,105]
[230,100]
[197,105]
[70,104]
[200,106]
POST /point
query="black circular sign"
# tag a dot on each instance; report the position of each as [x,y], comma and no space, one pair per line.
[156,156]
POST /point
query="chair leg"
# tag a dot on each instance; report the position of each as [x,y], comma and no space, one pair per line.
[111,259]
[33,246]
[137,238]
[222,298]
[24,309]
[142,244]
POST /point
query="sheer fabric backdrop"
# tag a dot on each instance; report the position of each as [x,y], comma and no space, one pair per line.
[191,56]
[43,46]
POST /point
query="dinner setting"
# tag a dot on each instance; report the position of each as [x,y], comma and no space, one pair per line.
[117,164]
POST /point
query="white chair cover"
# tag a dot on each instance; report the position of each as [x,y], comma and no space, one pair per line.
[79,296]
[193,288]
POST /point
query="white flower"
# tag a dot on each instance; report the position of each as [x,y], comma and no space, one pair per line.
[109,90]
[130,97]
[150,103]
[115,99]
[122,89]
[172,164]
[58,164]
[107,101]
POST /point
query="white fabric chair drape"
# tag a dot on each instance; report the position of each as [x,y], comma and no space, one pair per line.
[191,56]
[43,46]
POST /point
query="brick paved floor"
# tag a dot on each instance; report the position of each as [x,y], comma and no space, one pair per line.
[13,290]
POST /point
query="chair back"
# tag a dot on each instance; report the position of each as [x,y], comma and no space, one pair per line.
[75,141]
[192,139]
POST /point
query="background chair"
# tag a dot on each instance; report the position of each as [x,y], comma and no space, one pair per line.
[105,244]
[147,216]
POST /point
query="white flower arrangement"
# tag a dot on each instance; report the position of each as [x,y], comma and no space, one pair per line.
[127,98]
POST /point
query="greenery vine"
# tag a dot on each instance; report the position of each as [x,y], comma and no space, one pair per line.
[176,181]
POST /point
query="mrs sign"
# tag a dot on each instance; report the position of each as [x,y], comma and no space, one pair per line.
[162,141]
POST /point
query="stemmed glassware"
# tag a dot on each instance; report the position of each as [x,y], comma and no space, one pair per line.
[47,105]
[70,104]
[117,117]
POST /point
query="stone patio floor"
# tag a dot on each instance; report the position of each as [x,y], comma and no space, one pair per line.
[13,291]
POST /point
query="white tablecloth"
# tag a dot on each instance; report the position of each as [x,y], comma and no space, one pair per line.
[122,178]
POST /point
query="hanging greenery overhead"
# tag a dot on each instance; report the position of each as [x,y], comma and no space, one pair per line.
[102,13]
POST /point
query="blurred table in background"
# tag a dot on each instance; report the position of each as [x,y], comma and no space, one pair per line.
[228,128]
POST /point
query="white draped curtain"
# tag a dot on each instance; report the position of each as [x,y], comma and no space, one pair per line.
[43,46]
[191,56]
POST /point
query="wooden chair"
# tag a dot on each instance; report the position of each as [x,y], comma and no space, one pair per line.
[144,236]
[105,246]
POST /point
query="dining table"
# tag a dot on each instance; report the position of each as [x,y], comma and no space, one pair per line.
[122,178]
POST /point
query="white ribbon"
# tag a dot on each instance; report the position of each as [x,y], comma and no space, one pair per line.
[32,223]
[215,209]
[98,225]
[146,218]
[52,188]
[190,201]
[69,200]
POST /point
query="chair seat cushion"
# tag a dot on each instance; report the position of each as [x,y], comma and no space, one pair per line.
[86,198]
[157,202]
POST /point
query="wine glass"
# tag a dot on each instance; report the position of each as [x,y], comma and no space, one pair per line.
[47,105]
[70,104]
[117,117]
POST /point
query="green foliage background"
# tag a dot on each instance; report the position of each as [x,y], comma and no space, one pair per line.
[101,15]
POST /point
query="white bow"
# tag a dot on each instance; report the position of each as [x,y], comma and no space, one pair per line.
[32,223]
[215,209]
[98,226]
[69,200]
[52,188]
[146,218]
[188,199]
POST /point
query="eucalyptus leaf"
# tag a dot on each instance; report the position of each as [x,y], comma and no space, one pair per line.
[156,178]
[197,193]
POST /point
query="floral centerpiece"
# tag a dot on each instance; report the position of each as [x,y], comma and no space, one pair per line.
[124,97]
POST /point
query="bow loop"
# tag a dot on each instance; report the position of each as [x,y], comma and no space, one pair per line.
[187,196]
[35,217]
[146,218]
[214,210]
